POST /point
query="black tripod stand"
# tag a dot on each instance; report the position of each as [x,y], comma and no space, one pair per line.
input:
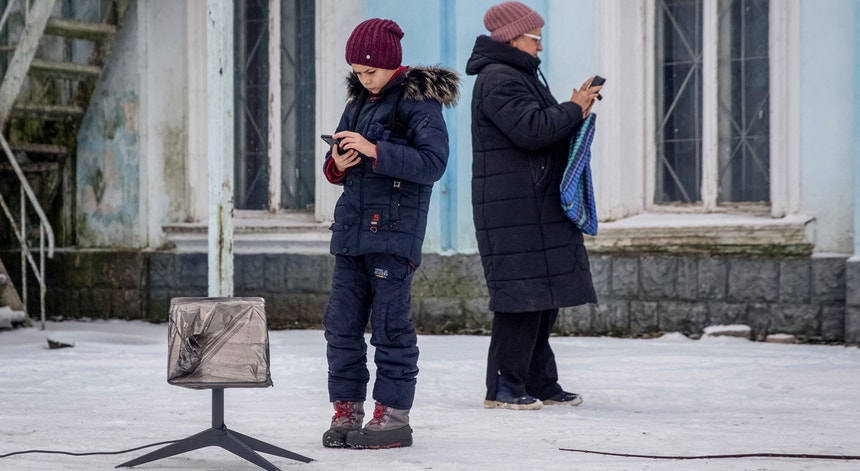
[235,442]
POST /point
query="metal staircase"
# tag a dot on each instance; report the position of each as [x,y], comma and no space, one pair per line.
[52,53]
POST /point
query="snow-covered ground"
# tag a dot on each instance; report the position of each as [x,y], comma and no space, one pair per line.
[666,396]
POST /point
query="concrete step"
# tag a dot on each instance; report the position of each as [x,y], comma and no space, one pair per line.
[296,233]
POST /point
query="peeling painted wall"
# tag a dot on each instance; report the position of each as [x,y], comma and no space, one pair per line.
[164,115]
[132,147]
[108,151]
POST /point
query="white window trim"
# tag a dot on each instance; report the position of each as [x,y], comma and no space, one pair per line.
[618,163]
[274,101]
[625,147]
[334,22]
[197,186]
[784,38]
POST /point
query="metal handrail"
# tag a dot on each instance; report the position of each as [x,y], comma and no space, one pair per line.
[27,194]
[8,10]
[20,233]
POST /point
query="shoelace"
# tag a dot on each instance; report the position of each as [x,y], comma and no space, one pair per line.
[378,414]
[344,412]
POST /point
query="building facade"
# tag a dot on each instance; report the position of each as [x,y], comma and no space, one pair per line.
[725,163]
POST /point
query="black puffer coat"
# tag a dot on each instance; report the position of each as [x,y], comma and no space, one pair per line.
[383,208]
[533,256]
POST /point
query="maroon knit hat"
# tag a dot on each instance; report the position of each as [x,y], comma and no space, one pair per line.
[508,20]
[375,43]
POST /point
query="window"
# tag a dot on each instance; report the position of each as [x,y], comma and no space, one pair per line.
[712,102]
[274,128]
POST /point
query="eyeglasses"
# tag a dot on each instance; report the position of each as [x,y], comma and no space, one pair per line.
[533,36]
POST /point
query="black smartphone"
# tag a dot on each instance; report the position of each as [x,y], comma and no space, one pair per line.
[333,142]
[598,80]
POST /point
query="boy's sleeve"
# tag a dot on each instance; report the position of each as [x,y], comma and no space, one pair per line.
[332,174]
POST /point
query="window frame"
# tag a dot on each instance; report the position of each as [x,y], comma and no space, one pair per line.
[624,149]
[333,23]
[783,50]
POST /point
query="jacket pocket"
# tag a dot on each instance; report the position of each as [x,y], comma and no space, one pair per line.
[541,170]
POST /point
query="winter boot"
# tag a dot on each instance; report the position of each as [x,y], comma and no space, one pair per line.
[564,398]
[389,428]
[347,416]
[505,398]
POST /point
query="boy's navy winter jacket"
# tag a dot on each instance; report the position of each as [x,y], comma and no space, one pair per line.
[383,208]
[534,257]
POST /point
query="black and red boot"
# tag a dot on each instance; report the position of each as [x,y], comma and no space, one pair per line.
[347,417]
[389,428]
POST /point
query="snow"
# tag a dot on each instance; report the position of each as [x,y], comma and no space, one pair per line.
[667,396]
[8,317]
[733,330]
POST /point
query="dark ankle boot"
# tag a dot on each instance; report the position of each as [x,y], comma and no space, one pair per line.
[506,399]
[389,428]
[347,416]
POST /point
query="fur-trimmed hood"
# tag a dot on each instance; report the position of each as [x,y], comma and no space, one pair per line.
[422,83]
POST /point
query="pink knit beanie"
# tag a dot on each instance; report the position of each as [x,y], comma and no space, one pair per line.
[508,20]
[375,43]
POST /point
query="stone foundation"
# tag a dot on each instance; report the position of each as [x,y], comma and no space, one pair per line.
[813,298]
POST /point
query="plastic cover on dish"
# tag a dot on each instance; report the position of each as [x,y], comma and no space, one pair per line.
[218,343]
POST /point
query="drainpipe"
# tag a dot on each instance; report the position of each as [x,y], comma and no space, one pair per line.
[220,147]
[449,206]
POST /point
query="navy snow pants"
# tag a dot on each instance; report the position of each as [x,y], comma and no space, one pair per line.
[520,351]
[375,287]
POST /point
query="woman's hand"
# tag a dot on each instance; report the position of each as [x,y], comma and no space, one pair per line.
[354,141]
[586,96]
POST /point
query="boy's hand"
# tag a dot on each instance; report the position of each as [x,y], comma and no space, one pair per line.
[348,159]
[354,141]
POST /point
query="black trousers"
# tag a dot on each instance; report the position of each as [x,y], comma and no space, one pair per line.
[520,351]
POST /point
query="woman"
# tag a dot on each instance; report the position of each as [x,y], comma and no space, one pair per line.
[533,256]
[394,147]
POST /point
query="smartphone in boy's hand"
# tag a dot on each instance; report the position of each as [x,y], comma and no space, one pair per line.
[331,141]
